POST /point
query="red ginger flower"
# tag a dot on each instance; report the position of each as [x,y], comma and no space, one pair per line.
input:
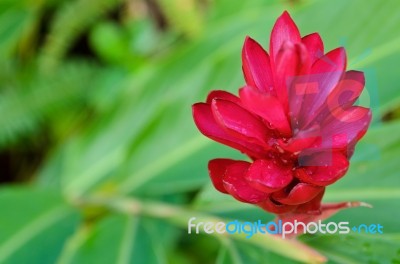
[295,120]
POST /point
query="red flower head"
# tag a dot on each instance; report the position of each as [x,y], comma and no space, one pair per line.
[294,119]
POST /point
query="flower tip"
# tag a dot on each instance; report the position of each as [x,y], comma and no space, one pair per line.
[285,13]
[362,204]
[198,109]
[248,42]
[243,90]
[286,17]
[357,204]
[285,29]
[356,76]
[341,51]
[194,107]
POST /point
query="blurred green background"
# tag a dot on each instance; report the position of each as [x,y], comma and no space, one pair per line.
[100,160]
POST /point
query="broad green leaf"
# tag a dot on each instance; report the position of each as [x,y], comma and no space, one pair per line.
[358,248]
[64,30]
[180,216]
[15,19]
[242,253]
[120,239]
[34,225]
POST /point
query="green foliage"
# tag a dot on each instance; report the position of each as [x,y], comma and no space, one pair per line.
[33,220]
[70,21]
[125,168]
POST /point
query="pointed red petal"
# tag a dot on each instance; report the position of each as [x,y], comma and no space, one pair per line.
[325,75]
[217,169]
[314,45]
[301,193]
[322,169]
[347,91]
[207,125]
[266,176]
[343,96]
[220,94]
[284,30]
[266,106]
[345,127]
[239,122]
[238,187]
[335,60]
[256,66]
[291,63]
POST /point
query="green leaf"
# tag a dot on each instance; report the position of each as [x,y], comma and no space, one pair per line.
[64,30]
[29,102]
[180,216]
[14,21]
[242,253]
[120,239]
[34,225]
[358,249]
